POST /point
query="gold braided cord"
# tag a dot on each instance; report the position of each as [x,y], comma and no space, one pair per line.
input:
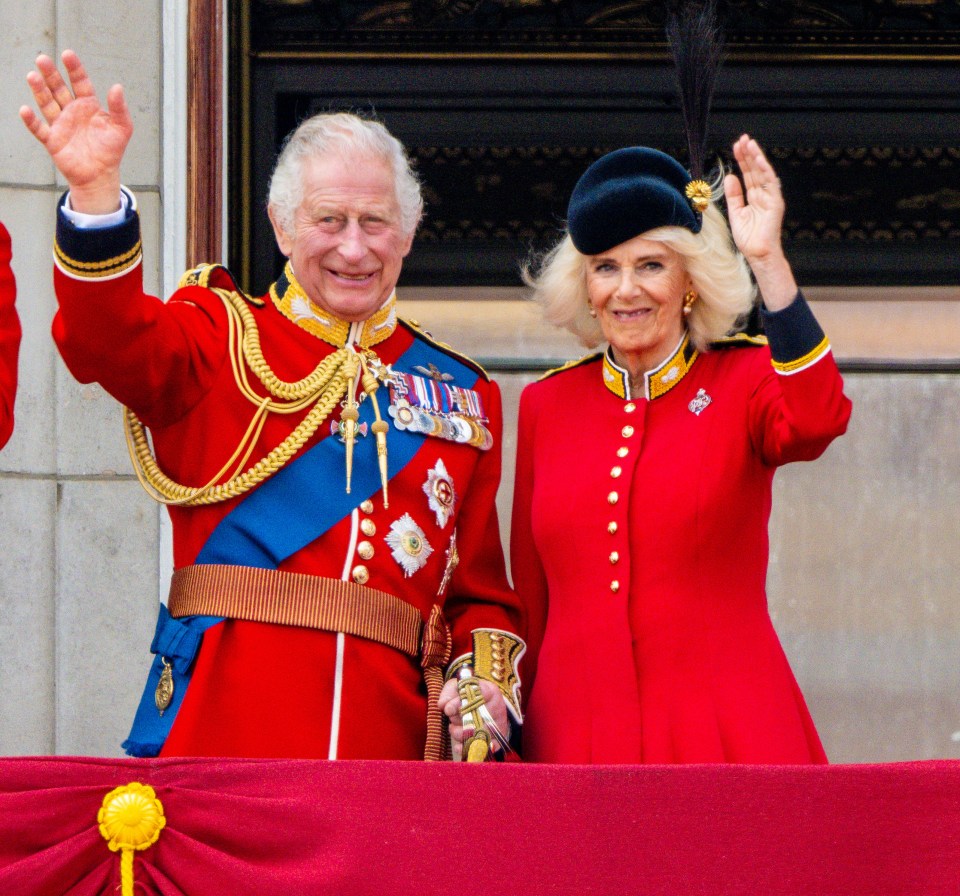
[324,387]
[307,388]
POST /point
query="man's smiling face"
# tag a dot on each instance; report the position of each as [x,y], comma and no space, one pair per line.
[346,242]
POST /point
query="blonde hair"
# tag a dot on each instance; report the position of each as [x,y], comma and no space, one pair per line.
[720,275]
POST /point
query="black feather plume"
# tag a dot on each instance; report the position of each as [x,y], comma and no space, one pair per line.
[696,42]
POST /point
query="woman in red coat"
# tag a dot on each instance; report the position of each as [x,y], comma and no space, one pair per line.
[9,338]
[644,472]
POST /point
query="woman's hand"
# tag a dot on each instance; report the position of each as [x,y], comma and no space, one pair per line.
[449,703]
[85,140]
[756,220]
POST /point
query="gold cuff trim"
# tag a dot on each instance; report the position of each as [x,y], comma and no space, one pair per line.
[92,270]
[496,658]
[790,367]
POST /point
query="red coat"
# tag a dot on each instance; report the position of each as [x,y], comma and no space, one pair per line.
[639,544]
[9,339]
[271,690]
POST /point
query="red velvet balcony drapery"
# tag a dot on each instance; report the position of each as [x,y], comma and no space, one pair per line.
[269,827]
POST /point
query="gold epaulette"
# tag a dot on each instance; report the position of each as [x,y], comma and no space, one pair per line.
[215,276]
[586,359]
[443,347]
[739,340]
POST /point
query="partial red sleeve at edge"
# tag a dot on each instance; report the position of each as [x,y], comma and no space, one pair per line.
[10,333]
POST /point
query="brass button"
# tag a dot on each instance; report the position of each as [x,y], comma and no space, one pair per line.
[367,506]
[615,472]
[623,452]
[614,557]
[614,586]
[365,550]
[361,575]
[626,432]
[612,498]
[368,527]
[612,527]
[629,407]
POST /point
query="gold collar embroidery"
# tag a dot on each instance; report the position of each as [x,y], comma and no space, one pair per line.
[292,302]
[657,382]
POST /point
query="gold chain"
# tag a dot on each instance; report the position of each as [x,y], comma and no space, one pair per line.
[324,387]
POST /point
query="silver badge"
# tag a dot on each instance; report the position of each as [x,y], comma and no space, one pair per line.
[440,493]
[700,402]
[408,544]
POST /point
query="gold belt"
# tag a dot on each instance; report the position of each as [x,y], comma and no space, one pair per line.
[291,598]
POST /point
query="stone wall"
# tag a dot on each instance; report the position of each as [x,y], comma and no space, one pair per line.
[79,570]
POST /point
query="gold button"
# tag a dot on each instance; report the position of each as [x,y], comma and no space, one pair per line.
[365,550]
[367,506]
[626,432]
[615,472]
[623,452]
[361,575]
[368,527]
[629,407]
[614,586]
[612,498]
[614,557]
[612,527]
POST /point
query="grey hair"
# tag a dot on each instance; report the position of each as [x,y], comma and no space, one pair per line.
[348,135]
[719,273]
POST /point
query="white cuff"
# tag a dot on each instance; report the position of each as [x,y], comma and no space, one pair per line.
[83,221]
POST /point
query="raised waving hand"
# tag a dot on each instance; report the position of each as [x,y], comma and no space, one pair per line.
[755,209]
[85,140]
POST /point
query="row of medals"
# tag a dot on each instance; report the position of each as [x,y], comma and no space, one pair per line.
[453,427]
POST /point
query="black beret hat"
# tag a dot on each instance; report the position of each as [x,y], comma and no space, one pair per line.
[625,193]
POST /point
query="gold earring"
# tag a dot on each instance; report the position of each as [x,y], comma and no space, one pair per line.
[689,298]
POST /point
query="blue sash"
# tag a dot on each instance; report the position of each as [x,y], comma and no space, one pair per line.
[294,507]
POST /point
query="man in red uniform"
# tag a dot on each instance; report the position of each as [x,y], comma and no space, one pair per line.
[9,338]
[330,470]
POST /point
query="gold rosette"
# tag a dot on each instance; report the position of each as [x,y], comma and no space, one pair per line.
[699,194]
[130,819]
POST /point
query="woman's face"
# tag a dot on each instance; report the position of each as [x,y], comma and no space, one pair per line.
[637,291]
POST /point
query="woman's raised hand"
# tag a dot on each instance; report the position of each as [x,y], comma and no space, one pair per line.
[755,209]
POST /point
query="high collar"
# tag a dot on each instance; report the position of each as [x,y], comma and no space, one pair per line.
[292,302]
[657,382]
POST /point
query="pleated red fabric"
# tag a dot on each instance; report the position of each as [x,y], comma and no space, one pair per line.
[272,827]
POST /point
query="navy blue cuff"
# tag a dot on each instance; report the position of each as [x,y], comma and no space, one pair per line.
[794,335]
[92,253]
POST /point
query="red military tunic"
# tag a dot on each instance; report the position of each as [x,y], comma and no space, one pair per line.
[9,339]
[640,545]
[274,690]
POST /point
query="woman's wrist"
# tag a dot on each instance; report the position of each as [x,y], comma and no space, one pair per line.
[775,281]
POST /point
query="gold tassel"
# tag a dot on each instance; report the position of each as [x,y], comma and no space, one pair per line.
[349,415]
[380,427]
